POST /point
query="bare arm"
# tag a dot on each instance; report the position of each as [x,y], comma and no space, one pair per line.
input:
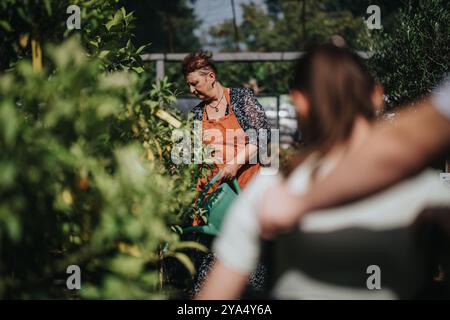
[223,283]
[388,155]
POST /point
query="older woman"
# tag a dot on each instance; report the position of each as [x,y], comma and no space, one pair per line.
[233,122]
[228,116]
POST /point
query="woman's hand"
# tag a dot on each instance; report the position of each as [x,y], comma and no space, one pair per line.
[229,172]
[280,210]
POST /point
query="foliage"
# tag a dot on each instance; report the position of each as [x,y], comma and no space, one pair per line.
[106,32]
[413,58]
[280,29]
[283,31]
[85,170]
[282,26]
[172,24]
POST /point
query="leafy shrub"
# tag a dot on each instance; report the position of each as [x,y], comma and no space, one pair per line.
[85,170]
[413,58]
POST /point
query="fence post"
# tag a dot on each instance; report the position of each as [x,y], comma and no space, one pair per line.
[159,69]
[278,112]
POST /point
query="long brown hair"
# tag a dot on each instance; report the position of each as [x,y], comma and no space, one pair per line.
[338,89]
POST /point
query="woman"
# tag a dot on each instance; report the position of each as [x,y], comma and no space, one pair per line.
[233,122]
[336,100]
[227,115]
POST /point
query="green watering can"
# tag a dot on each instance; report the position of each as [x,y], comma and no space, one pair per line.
[216,206]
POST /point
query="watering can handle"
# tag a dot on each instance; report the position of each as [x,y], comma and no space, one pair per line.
[212,182]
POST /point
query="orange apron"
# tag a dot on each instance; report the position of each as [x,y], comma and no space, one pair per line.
[226,149]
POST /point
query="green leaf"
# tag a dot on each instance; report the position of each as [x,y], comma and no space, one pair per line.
[103,54]
[124,13]
[177,229]
[115,20]
[8,123]
[138,51]
[151,103]
[5,25]
[7,174]
[11,222]
[48,7]
[138,69]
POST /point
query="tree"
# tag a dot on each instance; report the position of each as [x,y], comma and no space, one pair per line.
[412,58]
[168,25]
[388,9]
[285,26]
[280,28]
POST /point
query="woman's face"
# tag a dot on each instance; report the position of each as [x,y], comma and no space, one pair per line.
[201,85]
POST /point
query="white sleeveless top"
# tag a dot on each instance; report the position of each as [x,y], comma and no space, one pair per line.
[238,247]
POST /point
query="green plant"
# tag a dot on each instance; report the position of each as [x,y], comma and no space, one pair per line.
[85,170]
[413,58]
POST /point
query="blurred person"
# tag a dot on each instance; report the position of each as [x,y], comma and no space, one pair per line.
[388,155]
[328,257]
[222,109]
[336,100]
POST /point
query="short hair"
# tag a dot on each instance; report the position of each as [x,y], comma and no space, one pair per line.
[198,61]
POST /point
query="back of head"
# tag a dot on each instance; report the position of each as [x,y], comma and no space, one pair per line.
[338,90]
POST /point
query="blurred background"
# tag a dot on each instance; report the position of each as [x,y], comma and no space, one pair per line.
[281,27]
[87,116]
